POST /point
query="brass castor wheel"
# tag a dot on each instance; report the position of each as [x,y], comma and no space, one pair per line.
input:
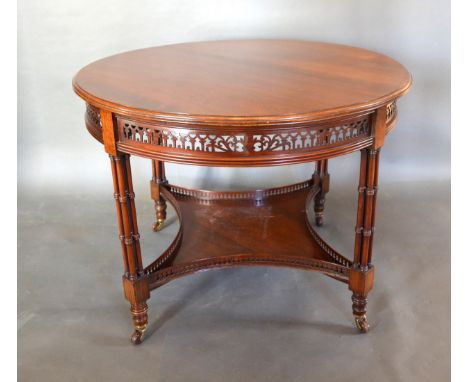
[362,324]
[158,225]
[319,221]
[137,336]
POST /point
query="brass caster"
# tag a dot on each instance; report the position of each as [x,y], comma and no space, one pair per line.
[137,336]
[319,221]
[361,323]
[158,225]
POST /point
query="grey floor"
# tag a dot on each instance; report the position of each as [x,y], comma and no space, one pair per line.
[245,324]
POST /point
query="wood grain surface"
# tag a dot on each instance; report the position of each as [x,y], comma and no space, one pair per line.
[243,103]
[272,80]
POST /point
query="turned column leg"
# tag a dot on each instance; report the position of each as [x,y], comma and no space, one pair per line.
[136,288]
[359,311]
[159,179]
[322,179]
[361,276]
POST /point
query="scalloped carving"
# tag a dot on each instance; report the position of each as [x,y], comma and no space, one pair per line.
[208,196]
[93,114]
[391,111]
[93,122]
[296,139]
[308,138]
[334,255]
[170,252]
[183,139]
[163,269]
[160,277]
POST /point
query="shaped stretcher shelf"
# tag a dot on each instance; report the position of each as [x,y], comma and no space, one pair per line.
[264,227]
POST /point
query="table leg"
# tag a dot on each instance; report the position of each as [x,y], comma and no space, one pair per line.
[322,179]
[361,276]
[159,178]
[136,288]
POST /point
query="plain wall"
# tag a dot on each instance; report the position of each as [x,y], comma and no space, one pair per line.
[57,38]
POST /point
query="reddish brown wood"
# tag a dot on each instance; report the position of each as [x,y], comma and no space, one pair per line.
[136,287]
[261,80]
[243,103]
[380,125]
[266,227]
[364,234]
[360,207]
[119,214]
[361,281]
[109,132]
[135,281]
[159,178]
[322,180]
[136,290]
[245,145]
[374,204]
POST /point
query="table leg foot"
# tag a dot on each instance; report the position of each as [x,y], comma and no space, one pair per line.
[158,225]
[138,336]
[361,323]
[160,207]
[140,322]
[359,311]
[319,213]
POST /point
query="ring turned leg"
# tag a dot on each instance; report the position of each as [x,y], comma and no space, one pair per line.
[140,322]
[359,311]
[135,283]
[159,178]
[361,275]
[321,178]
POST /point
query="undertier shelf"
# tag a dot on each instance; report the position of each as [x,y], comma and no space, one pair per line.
[263,227]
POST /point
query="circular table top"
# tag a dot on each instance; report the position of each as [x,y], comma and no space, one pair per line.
[241,81]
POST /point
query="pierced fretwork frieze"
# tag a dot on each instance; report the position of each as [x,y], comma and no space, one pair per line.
[93,114]
[391,111]
[93,122]
[210,196]
[308,138]
[294,139]
[157,276]
[183,139]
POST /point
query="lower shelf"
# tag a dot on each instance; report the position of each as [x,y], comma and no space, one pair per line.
[263,227]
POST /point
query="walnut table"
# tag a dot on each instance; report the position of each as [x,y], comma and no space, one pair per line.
[242,104]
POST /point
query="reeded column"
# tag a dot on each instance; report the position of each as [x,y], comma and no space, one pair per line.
[159,179]
[362,273]
[135,283]
[322,179]
[136,288]
[361,277]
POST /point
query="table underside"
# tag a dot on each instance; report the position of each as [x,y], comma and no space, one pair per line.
[264,227]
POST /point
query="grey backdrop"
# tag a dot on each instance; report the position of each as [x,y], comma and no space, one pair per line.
[73,323]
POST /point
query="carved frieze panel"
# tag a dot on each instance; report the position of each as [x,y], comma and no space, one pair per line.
[391,111]
[92,114]
[308,138]
[182,139]
[294,139]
